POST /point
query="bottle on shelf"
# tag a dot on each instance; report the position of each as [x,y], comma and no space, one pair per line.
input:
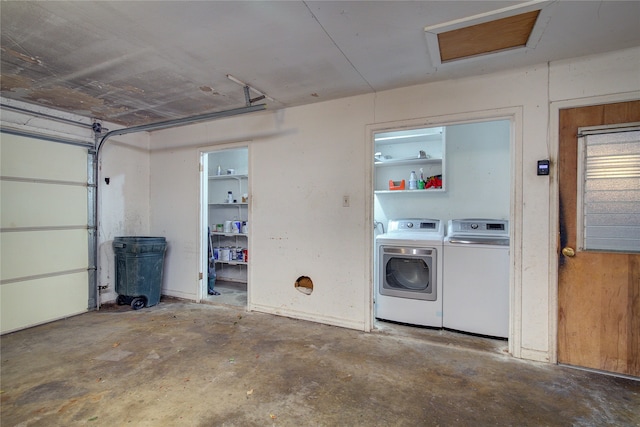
[413,182]
[229,197]
[421,182]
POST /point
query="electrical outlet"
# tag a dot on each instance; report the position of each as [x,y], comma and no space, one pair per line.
[345,201]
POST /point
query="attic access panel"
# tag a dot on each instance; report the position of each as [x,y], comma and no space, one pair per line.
[509,29]
[493,36]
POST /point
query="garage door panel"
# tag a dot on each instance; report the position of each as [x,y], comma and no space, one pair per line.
[27,254]
[33,302]
[38,159]
[44,233]
[43,205]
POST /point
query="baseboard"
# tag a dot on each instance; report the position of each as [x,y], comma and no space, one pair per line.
[311,317]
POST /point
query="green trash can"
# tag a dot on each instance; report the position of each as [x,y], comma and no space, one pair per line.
[139,263]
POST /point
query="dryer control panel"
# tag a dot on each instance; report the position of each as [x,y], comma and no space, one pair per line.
[479,226]
[414,224]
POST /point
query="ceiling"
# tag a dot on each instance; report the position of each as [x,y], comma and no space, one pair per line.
[139,62]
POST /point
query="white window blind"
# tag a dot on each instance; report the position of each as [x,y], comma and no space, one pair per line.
[609,189]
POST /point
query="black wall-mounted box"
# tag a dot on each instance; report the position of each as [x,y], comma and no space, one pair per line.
[543,167]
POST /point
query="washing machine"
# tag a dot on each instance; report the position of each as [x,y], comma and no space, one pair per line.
[476,277]
[408,272]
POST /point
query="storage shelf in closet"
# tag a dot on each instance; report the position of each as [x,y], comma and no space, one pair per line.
[402,162]
[428,190]
[231,263]
[220,211]
[222,177]
[218,233]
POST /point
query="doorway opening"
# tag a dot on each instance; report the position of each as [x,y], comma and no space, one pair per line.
[225,224]
[443,172]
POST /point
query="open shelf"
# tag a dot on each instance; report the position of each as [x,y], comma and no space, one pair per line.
[230,263]
[402,162]
[222,177]
[221,233]
[428,190]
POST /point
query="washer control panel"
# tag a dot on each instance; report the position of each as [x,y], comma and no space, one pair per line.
[479,226]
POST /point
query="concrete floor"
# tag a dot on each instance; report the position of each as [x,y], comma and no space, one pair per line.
[231,293]
[184,364]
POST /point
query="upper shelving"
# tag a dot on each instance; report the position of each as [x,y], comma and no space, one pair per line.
[398,152]
[222,233]
[222,177]
[423,191]
[402,162]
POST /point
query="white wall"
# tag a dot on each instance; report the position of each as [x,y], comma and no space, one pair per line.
[123,204]
[175,212]
[304,159]
[301,162]
[299,226]
[595,76]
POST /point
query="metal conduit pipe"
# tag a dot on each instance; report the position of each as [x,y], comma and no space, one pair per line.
[181,122]
[143,128]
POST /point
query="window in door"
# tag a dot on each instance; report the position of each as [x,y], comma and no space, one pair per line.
[609,189]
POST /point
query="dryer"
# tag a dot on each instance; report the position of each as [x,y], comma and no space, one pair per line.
[408,272]
[476,277]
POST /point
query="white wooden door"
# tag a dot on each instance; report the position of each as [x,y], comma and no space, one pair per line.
[43,232]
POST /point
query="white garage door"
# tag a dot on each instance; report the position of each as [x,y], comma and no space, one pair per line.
[44,236]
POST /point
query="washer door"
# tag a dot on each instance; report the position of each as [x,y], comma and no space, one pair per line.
[407,273]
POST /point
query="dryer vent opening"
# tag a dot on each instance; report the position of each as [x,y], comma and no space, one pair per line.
[304,284]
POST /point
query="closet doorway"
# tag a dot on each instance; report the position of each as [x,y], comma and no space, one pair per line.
[225,225]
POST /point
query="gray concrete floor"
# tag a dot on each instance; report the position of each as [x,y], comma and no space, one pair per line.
[231,293]
[184,364]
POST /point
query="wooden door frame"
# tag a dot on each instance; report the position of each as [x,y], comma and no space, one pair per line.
[554,200]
